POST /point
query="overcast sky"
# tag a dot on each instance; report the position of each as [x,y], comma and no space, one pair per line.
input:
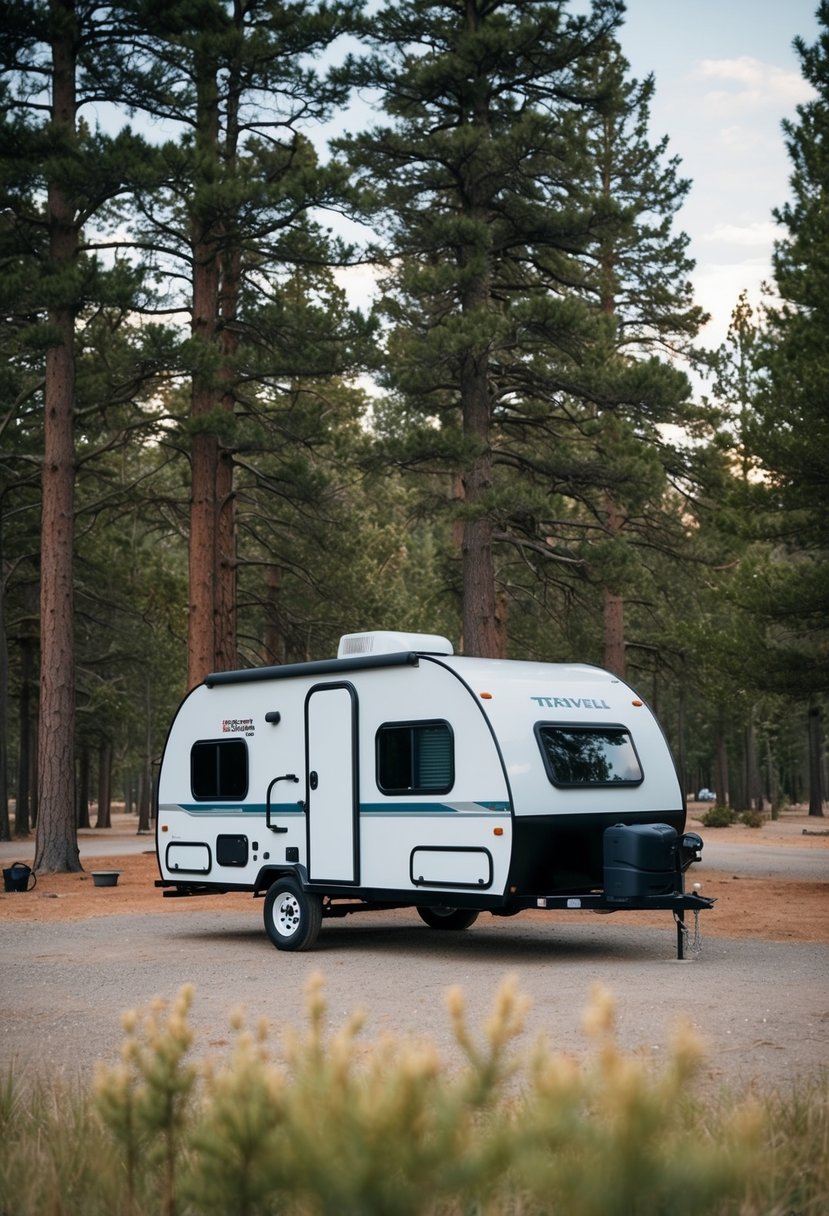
[726,75]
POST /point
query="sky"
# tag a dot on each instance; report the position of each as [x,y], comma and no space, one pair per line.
[726,76]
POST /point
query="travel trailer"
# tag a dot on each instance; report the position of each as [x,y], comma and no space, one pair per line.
[402,775]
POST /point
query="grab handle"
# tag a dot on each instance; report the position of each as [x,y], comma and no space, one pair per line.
[284,777]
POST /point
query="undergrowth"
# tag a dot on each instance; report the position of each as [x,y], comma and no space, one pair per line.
[325,1124]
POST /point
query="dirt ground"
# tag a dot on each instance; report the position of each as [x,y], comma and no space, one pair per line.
[764,908]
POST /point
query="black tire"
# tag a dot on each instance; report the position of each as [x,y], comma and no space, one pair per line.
[292,916]
[440,917]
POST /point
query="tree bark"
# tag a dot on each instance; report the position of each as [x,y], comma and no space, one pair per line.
[56,847]
[230,264]
[5,820]
[104,816]
[484,632]
[722,767]
[145,783]
[483,628]
[614,634]
[22,818]
[226,657]
[815,766]
[83,788]
[614,605]
[212,642]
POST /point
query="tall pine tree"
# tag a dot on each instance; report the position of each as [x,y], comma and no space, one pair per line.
[241,81]
[789,431]
[472,185]
[59,175]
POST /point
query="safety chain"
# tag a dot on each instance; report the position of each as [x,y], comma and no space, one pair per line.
[694,946]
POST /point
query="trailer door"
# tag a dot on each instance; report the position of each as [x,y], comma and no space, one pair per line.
[331,783]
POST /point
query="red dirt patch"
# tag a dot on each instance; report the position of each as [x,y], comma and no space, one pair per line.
[771,909]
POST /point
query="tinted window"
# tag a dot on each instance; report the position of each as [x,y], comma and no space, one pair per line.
[219,769]
[589,755]
[415,758]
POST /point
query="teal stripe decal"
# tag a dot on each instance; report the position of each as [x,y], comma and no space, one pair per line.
[366,808]
[234,808]
[433,808]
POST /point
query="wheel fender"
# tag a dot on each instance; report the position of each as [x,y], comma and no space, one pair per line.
[269,873]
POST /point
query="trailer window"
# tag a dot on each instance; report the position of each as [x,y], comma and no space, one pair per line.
[589,755]
[219,769]
[415,758]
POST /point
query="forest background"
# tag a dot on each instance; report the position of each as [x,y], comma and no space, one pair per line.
[210,459]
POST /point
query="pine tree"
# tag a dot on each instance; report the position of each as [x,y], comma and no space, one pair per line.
[235,212]
[472,186]
[789,431]
[642,281]
[59,175]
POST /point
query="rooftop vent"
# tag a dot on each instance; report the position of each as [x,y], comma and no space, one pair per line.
[383,641]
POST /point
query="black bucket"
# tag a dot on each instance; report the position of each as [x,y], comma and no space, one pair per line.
[16,877]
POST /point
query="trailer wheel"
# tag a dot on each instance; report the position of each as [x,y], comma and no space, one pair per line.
[440,917]
[292,916]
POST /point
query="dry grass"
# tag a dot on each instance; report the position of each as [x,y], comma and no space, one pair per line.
[346,1128]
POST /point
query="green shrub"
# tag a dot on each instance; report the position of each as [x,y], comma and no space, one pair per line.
[752,819]
[331,1126]
[718,817]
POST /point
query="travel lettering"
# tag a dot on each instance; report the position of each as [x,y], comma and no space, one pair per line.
[569,703]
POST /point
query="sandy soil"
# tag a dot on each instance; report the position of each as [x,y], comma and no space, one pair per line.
[764,908]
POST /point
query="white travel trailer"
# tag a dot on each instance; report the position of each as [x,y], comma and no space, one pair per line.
[402,775]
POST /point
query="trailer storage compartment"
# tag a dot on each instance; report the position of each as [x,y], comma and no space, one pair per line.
[641,860]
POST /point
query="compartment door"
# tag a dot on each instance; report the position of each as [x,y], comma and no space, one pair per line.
[331,783]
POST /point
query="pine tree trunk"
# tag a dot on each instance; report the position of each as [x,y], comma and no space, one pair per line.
[682,747]
[484,634]
[201,565]
[815,766]
[482,631]
[722,768]
[22,820]
[56,848]
[144,799]
[56,844]
[145,785]
[754,784]
[83,788]
[212,559]
[614,634]
[226,658]
[104,817]
[5,820]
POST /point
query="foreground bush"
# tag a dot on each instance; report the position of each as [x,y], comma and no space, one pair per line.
[336,1127]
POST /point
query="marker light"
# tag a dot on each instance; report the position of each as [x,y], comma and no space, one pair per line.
[485,696]
[638,704]
[497,831]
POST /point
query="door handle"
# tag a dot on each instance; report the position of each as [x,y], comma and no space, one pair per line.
[284,777]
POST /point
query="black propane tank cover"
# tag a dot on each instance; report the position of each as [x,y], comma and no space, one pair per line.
[640,861]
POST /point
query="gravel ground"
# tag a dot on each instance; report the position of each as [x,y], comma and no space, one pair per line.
[762,1007]
[69,969]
